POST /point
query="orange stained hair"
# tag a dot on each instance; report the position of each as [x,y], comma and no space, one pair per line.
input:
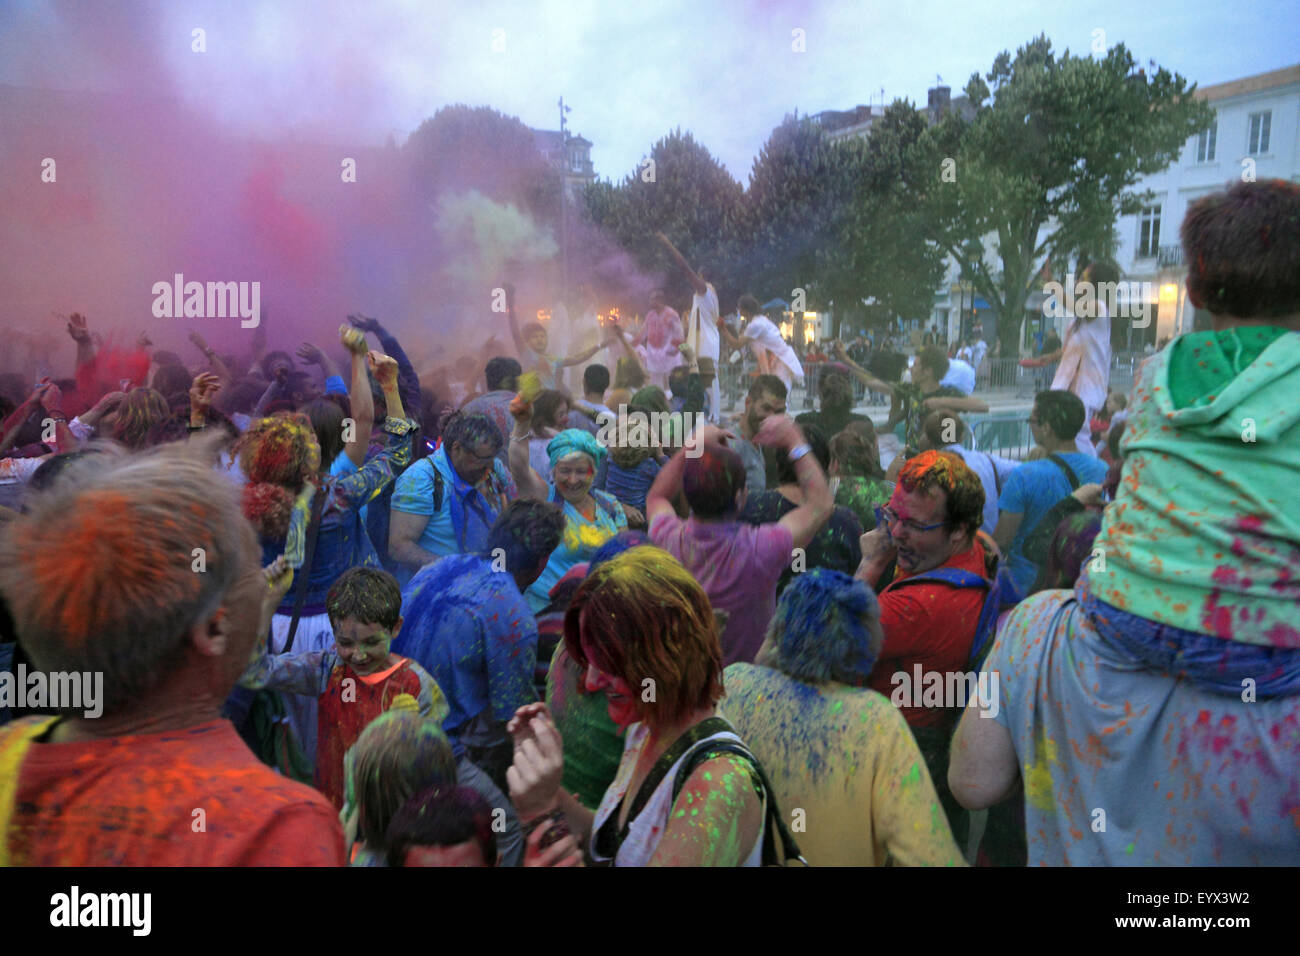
[947,472]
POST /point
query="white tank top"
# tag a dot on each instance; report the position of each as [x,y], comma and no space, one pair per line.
[647,829]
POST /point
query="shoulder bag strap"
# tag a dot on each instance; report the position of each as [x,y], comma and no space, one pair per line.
[705,728]
[1070,476]
[775,826]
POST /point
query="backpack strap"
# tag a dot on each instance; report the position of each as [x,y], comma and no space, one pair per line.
[1061,463]
[438,487]
[774,824]
[989,610]
[954,577]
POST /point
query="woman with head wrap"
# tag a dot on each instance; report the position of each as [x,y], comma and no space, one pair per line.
[590,517]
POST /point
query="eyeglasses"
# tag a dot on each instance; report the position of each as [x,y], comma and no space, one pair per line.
[889,518]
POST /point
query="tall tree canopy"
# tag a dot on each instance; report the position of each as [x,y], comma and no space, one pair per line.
[1047,164]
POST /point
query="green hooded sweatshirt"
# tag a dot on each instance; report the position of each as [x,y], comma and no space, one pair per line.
[1204,533]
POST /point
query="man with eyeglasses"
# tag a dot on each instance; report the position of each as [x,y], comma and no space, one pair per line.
[448,502]
[929,525]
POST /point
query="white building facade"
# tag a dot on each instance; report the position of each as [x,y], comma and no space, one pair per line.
[1255,135]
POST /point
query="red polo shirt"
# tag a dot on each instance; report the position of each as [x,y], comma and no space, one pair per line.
[931,624]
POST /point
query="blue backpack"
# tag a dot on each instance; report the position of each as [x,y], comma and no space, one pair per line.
[1000,594]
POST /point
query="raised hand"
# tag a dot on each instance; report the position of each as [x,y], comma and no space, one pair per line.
[353,339]
[143,341]
[51,397]
[203,390]
[77,328]
[779,431]
[200,342]
[383,368]
[310,354]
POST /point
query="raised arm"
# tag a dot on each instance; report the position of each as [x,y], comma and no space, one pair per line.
[528,482]
[861,374]
[80,332]
[311,355]
[513,319]
[966,403]
[780,431]
[408,382]
[697,283]
[218,366]
[360,399]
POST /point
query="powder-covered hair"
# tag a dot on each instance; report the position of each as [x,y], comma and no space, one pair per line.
[1071,546]
[946,472]
[141,410]
[712,480]
[397,756]
[470,429]
[546,407]
[1061,411]
[274,456]
[623,541]
[365,595]
[857,454]
[99,571]
[644,617]
[826,628]
[442,816]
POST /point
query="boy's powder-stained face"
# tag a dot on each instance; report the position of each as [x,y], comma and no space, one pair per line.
[538,340]
[364,647]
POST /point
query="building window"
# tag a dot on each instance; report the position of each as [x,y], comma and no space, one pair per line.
[1260,127]
[1205,144]
[1149,232]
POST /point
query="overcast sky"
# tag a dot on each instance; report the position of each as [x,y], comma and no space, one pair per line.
[723,69]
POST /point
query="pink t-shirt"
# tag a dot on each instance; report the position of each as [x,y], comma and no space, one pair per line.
[661,335]
[738,566]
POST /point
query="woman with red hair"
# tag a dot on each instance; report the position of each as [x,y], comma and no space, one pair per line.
[644,633]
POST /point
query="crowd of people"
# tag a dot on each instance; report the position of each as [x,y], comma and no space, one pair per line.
[388,622]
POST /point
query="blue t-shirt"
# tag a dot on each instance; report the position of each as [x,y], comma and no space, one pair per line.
[414,494]
[468,626]
[1031,490]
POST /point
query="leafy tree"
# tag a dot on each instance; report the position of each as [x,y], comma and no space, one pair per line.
[1047,164]
[686,194]
[884,248]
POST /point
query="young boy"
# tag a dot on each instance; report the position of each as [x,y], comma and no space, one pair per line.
[356,680]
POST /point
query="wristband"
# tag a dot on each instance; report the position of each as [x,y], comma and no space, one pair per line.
[798,451]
